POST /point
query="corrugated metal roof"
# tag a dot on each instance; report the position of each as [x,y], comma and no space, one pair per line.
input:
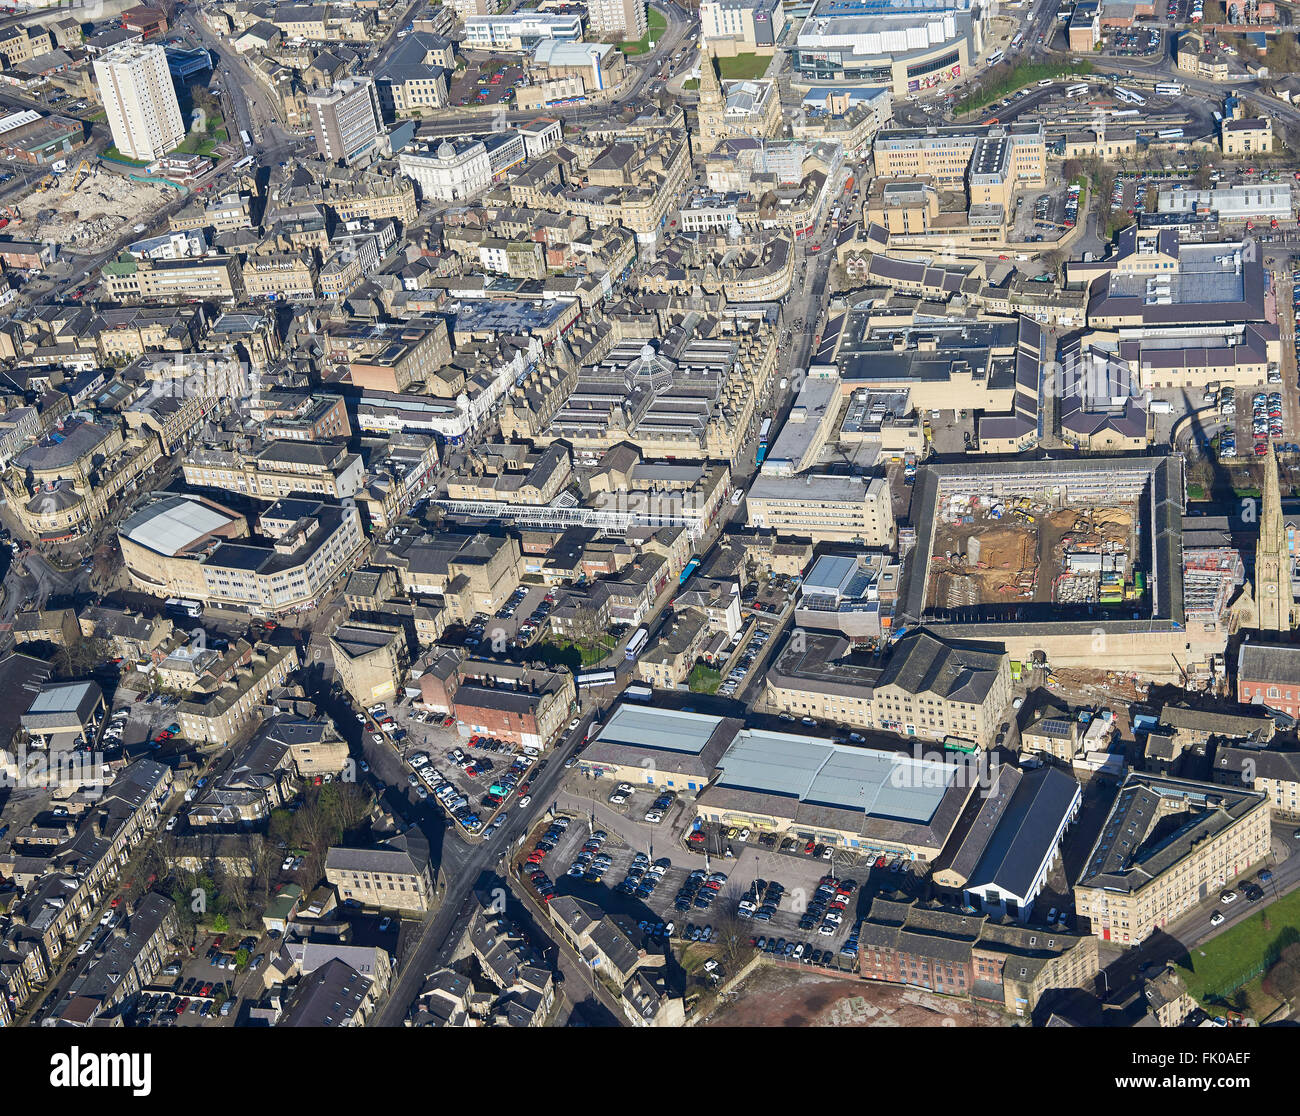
[172,525]
[666,729]
[883,784]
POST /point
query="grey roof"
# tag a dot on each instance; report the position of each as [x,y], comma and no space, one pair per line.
[858,781]
[328,997]
[1155,822]
[123,953]
[1241,721]
[172,524]
[695,741]
[404,855]
[1265,763]
[1268,662]
[921,663]
[1016,829]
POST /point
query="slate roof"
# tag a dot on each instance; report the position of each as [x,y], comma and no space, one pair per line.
[921,663]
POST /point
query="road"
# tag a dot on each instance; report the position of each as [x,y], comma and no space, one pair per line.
[1183,937]
[646,66]
[462,866]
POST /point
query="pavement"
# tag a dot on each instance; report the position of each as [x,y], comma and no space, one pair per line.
[462,866]
[1181,938]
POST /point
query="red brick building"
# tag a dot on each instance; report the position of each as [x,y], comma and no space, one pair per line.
[148,21]
[1269,674]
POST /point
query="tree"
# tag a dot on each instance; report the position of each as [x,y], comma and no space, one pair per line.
[266,862]
[280,828]
[80,656]
[220,923]
[731,935]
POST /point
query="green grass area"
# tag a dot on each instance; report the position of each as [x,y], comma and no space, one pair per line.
[586,653]
[115,156]
[704,679]
[743,67]
[656,25]
[1195,492]
[1237,954]
[690,84]
[100,117]
[1003,81]
[196,143]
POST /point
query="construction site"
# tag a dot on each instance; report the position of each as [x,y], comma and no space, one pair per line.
[991,551]
[87,208]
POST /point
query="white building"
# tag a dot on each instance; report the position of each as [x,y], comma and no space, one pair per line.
[448,173]
[1006,857]
[139,100]
[731,26]
[625,19]
[520,30]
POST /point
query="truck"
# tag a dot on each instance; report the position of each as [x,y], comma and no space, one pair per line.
[638,693]
[1161,407]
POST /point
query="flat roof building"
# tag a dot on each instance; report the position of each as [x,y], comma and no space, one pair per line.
[868,799]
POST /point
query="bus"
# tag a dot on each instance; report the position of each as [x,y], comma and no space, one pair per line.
[764,433]
[591,678]
[248,140]
[996,57]
[634,645]
[691,567]
[1170,134]
[1018,41]
[246,161]
[1169,88]
[1124,112]
[1077,91]
[183,607]
[1129,97]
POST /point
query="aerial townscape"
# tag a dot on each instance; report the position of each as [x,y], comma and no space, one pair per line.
[596,513]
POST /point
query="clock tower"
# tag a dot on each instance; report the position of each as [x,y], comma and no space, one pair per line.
[1273,597]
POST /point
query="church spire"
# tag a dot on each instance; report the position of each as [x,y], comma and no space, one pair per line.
[1273,596]
[1270,512]
[710,87]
